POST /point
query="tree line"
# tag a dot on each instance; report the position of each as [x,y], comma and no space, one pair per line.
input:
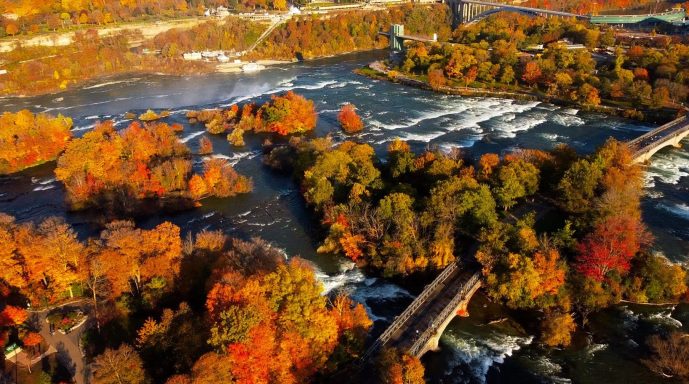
[32,16]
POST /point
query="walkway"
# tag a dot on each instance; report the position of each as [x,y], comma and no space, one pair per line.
[670,134]
[68,351]
[427,316]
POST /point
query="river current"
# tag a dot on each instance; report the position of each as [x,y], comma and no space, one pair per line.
[489,346]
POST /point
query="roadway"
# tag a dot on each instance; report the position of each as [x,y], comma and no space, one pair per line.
[523,9]
[428,316]
[659,135]
[69,353]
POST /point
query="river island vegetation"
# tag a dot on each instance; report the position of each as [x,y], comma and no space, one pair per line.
[415,213]
[28,139]
[285,114]
[121,171]
[349,120]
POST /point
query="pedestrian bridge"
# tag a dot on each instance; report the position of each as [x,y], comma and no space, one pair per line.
[670,134]
[418,329]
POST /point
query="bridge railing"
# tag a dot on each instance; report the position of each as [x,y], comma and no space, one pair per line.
[420,343]
[407,314]
[525,9]
[639,152]
[656,131]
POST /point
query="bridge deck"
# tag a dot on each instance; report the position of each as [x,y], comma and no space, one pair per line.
[427,317]
[524,9]
[409,37]
[659,136]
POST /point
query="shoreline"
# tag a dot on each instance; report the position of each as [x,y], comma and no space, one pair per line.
[379,71]
[211,68]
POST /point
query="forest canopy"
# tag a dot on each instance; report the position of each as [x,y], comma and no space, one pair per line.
[28,139]
[118,170]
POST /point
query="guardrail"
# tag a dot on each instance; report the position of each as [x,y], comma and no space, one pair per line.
[446,312]
[656,131]
[407,314]
[647,148]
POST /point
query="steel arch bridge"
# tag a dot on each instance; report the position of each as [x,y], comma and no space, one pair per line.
[470,11]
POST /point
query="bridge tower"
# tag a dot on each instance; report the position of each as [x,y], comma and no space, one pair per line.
[396,41]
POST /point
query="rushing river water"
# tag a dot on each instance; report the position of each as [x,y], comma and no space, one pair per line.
[489,346]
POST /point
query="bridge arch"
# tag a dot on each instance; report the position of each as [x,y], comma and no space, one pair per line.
[468,11]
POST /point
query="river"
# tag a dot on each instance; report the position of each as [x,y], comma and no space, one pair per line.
[473,351]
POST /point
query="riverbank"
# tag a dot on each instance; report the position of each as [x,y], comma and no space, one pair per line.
[380,71]
[236,67]
[186,68]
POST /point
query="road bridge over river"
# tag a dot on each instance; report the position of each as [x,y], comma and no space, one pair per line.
[418,329]
[670,134]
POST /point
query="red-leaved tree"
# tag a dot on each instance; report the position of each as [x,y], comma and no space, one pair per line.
[611,246]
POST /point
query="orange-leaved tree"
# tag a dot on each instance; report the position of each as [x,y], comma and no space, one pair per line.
[349,119]
[28,139]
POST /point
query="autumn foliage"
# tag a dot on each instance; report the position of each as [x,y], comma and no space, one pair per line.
[142,162]
[284,114]
[276,327]
[611,246]
[27,139]
[349,120]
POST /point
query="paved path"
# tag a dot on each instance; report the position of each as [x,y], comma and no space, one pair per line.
[68,351]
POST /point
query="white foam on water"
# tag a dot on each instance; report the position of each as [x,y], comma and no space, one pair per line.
[481,353]
[509,128]
[567,119]
[630,319]
[44,188]
[679,210]
[668,166]
[35,180]
[409,123]
[552,136]
[347,276]
[88,105]
[112,83]
[594,348]
[550,370]
[191,136]
[288,82]
[328,111]
[83,128]
[423,137]
[339,85]
[279,89]
[665,317]
[236,156]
